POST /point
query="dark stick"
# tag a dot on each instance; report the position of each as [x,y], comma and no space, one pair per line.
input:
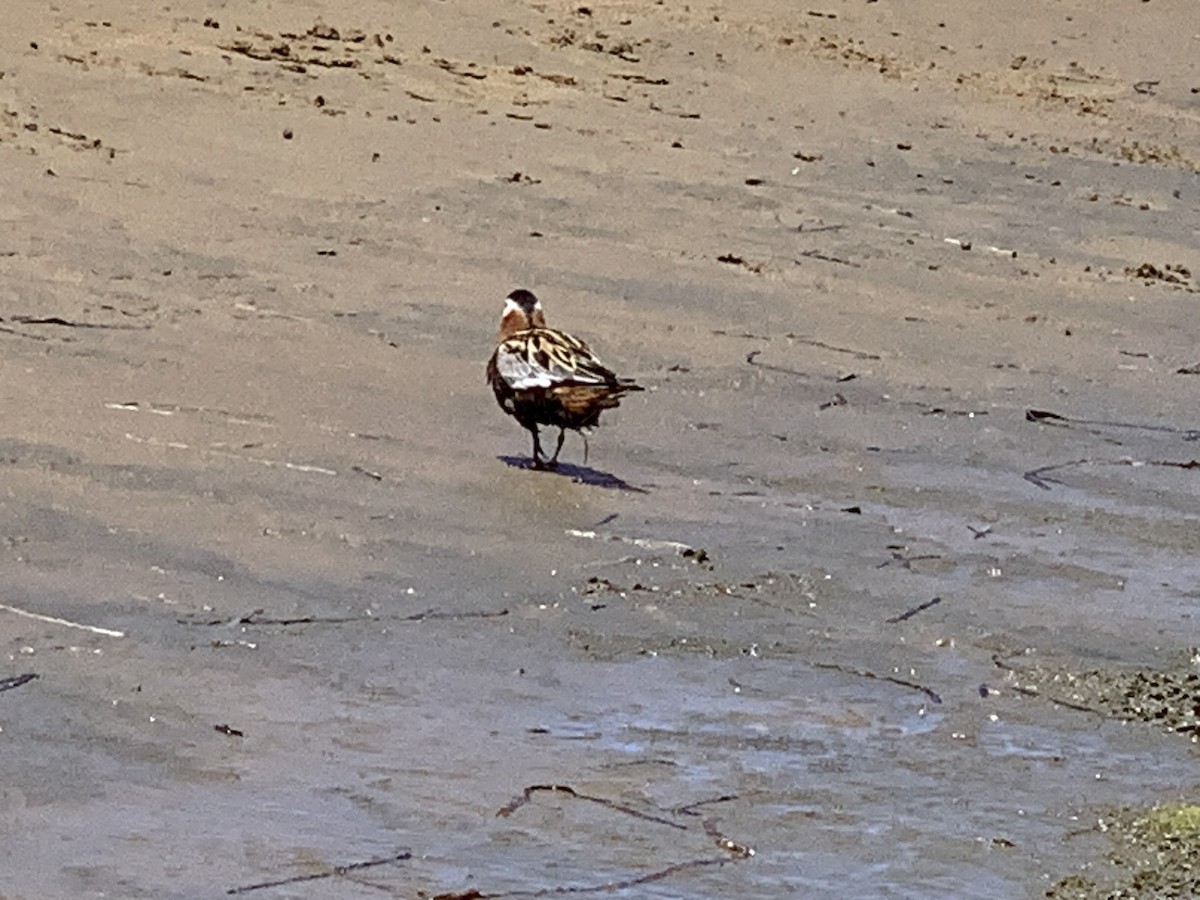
[906,561]
[528,793]
[920,607]
[690,809]
[816,254]
[744,334]
[739,851]
[606,888]
[68,323]
[335,871]
[751,358]
[434,614]
[1033,692]
[857,354]
[254,618]
[32,337]
[1035,476]
[7,684]
[1046,417]
[864,673]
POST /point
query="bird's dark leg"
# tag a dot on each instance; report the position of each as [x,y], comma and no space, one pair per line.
[537,447]
[585,447]
[562,433]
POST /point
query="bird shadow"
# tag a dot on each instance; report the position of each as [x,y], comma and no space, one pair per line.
[581,474]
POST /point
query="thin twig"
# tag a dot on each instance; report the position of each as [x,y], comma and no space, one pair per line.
[1045,417]
[752,358]
[25,334]
[906,561]
[7,684]
[741,334]
[739,851]
[920,607]
[857,354]
[607,887]
[336,871]
[690,808]
[1057,701]
[515,804]
[816,254]
[69,323]
[255,618]
[1037,476]
[865,673]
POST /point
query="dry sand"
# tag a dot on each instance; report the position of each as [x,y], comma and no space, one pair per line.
[253,257]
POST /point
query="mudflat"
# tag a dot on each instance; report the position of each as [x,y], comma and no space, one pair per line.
[887,584]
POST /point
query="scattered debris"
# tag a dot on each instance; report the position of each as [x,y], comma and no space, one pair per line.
[1173,274]
[1168,699]
[456,69]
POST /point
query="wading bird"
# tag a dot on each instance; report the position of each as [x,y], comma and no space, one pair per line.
[542,376]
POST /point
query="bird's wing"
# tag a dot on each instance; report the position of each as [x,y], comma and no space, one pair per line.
[544,358]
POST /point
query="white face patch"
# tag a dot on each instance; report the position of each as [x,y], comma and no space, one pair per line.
[511,305]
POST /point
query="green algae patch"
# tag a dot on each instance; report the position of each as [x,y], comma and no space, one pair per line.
[1181,822]
[1153,854]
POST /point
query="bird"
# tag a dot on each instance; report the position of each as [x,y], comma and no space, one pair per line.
[543,376]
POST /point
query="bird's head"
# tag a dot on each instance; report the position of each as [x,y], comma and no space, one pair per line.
[522,311]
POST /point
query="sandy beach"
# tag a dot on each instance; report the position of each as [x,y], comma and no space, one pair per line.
[886,586]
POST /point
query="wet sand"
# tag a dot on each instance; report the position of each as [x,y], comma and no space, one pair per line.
[885,577]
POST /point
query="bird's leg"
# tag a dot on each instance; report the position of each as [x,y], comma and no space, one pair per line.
[537,447]
[585,447]
[562,433]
